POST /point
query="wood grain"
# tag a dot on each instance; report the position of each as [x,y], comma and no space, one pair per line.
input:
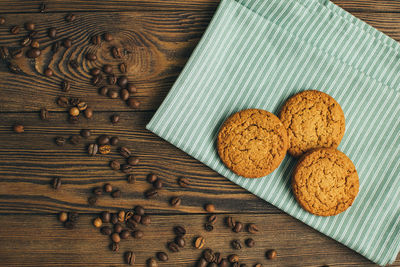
[44,242]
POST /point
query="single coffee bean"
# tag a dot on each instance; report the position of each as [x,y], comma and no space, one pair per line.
[114,140]
[92,201]
[180,230]
[91,57]
[131,224]
[44,114]
[26,41]
[162,256]
[116,52]
[250,242]
[124,94]
[115,119]
[115,237]
[108,188]
[15,29]
[98,191]
[139,210]
[112,79]
[122,67]
[151,178]
[33,53]
[65,86]
[199,242]
[128,215]
[97,222]
[123,81]
[137,218]
[121,216]
[69,225]
[95,71]
[183,182]
[175,201]
[133,103]
[151,262]
[257,265]
[224,263]
[62,102]
[131,88]
[145,220]
[2,20]
[236,244]
[125,152]
[73,119]
[133,160]
[137,234]
[158,184]
[115,165]
[208,255]
[208,227]
[252,228]
[114,246]
[105,149]
[271,254]
[129,257]
[103,91]
[70,17]
[103,139]
[238,227]
[86,133]
[105,216]
[113,94]
[106,230]
[35,44]
[88,113]
[118,227]
[124,234]
[16,54]
[74,111]
[60,141]
[116,194]
[82,106]
[173,247]
[131,179]
[107,68]
[75,139]
[48,72]
[93,149]
[108,37]
[63,216]
[29,26]
[95,39]
[202,263]
[217,257]
[67,43]
[52,33]
[151,193]
[209,208]
[180,241]
[4,53]
[233,258]
[56,183]
[212,219]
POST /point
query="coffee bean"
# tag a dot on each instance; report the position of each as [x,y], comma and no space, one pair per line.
[217,257]
[115,165]
[208,255]
[97,222]
[180,230]
[145,220]
[105,149]
[118,227]
[209,208]
[2,20]
[93,149]
[233,258]
[107,68]
[125,152]
[224,263]
[95,71]
[92,201]
[60,141]
[73,119]
[137,218]
[212,219]
[26,41]
[116,52]
[131,179]
[56,183]
[124,234]
[29,26]
[250,242]
[175,201]
[180,241]
[199,242]
[15,29]
[151,178]
[69,225]
[116,194]
[91,57]
[74,111]
[208,227]
[173,247]
[131,224]
[75,139]
[108,188]
[103,139]
[238,227]
[271,254]
[48,72]
[202,263]
[70,17]
[44,114]
[82,106]
[122,68]
[108,37]
[95,39]
[121,216]
[115,237]
[252,228]
[162,256]
[129,257]
[65,86]
[114,141]
[62,102]
[52,33]
[236,244]
[123,81]
[33,53]
[67,43]
[103,91]
[137,234]
[86,133]
[257,265]
[212,264]
[133,160]
[112,79]
[158,184]
[133,103]
[113,94]
[139,210]
[35,44]
[4,53]
[131,88]
[151,262]
[151,193]
[126,168]
[128,215]
[88,113]
[63,216]
[124,94]
[105,216]
[114,246]
[183,182]
[98,191]
[106,230]
[16,54]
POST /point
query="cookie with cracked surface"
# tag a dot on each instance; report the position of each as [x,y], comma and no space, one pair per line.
[325,182]
[252,143]
[313,119]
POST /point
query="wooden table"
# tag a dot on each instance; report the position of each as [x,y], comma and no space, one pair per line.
[159,36]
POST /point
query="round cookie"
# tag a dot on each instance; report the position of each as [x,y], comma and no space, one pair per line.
[252,143]
[313,119]
[325,182]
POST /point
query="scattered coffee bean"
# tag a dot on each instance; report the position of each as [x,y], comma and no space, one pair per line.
[180,241]
[139,210]
[96,39]
[115,237]
[131,179]
[60,141]
[15,29]
[91,57]
[250,242]
[123,81]
[209,208]
[115,165]
[131,88]
[124,234]
[92,201]
[208,255]
[55,46]
[63,216]
[118,227]
[128,215]
[125,152]
[114,219]
[48,72]
[208,227]
[233,258]
[65,86]
[105,216]
[62,102]
[67,43]
[105,149]
[133,103]
[112,79]
[133,160]
[108,37]
[35,44]
[137,218]
[124,94]
[82,106]
[33,53]
[97,222]
[224,263]
[116,52]
[95,71]
[26,41]
[108,188]
[107,68]
[116,194]
[56,183]
[145,220]
[137,234]
[114,141]
[173,247]
[93,149]
[151,178]
[88,113]
[158,184]
[2,20]
[175,201]
[162,256]
[271,254]
[131,224]
[74,111]
[122,68]
[106,230]
[75,139]
[114,246]
[151,262]
[183,182]
[103,91]
[151,193]
[29,26]
[257,265]
[238,227]
[180,230]
[103,139]
[4,53]
[52,33]
[74,101]
[252,228]
[70,17]
[199,242]
[113,94]
[217,257]
[121,216]
[202,263]
[44,114]
[212,219]
[115,119]
[236,244]
[86,133]
[129,257]
[16,54]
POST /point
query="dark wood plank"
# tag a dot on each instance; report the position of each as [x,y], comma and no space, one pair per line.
[369,6]
[41,241]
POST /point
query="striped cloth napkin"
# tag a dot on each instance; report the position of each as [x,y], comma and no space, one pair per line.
[256,54]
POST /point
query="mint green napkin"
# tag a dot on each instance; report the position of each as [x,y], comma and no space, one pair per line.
[256,54]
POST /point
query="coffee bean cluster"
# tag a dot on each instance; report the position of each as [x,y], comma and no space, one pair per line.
[69,219]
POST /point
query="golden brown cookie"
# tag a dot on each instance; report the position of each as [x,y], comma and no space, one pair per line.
[325,182]
[252,143]
[313,119]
